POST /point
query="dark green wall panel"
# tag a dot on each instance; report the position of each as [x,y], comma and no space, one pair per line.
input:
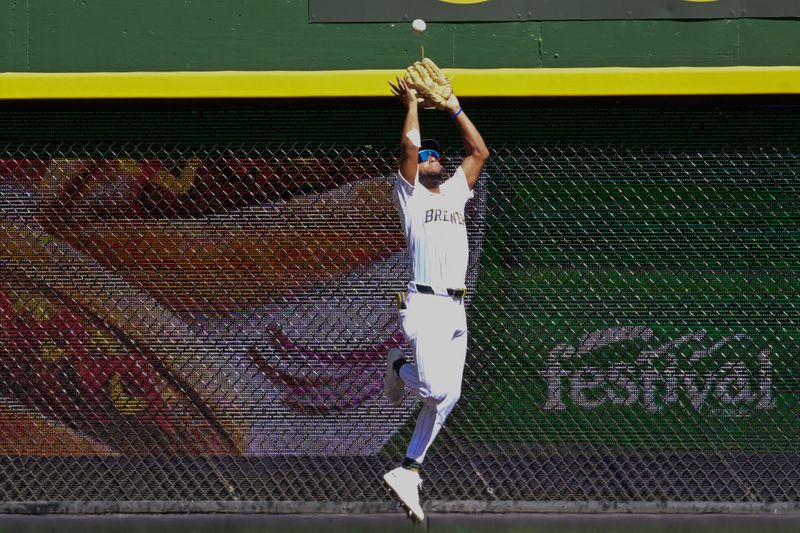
[151,35]
[640,43]
[493,45]
[770,42]
[13,36]
[120,35]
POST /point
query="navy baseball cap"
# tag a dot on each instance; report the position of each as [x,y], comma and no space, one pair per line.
[430,144]
[429,147]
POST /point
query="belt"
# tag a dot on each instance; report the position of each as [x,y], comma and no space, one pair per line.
[427,289]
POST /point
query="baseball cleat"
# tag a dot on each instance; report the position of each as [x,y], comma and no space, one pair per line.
[392,384]
[405,487]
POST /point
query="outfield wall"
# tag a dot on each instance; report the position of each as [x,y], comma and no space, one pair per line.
[253,35]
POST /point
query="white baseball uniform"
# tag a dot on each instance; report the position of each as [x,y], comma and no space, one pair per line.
[435,325]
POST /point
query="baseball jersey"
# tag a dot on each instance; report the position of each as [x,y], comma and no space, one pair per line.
[435,229]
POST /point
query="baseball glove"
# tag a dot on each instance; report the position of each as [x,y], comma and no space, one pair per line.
[432,86]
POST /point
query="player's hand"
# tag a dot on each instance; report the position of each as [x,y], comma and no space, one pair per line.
[404,93]
[452,105]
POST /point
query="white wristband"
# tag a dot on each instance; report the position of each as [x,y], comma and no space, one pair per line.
[414,137]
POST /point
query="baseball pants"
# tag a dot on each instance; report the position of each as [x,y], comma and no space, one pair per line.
[436,328]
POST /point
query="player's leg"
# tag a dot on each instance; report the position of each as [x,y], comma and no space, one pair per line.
[426,338]
[441,371]
[439,342]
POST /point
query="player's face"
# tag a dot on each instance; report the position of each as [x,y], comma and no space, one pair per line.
[430,168]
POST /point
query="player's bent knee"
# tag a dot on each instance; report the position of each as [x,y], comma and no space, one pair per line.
[434,397]
[442,396]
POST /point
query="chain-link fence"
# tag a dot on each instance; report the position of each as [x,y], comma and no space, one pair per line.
[196,304]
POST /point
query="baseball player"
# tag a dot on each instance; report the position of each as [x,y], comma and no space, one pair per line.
[431,208]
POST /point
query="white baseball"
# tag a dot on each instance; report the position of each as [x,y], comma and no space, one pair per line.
[418,25]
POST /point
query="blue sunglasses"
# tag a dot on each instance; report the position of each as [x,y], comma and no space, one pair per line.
[425,154]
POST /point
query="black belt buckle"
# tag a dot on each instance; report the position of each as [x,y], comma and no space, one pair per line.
[425,289]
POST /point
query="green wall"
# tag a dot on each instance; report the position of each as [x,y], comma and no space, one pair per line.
[125,35]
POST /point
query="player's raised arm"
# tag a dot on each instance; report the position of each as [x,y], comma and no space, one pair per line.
[474,147]
[411,140]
